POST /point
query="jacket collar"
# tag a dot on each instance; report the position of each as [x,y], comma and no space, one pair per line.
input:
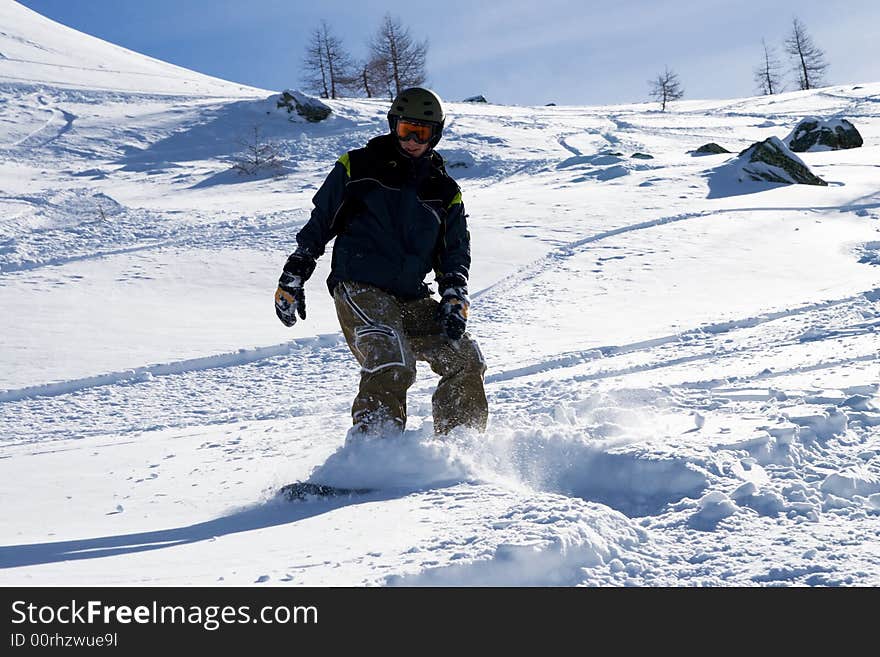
[386,146]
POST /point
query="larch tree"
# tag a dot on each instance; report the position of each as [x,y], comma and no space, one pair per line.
[808,60]
[327,65]
[665,88]
[768,75]
[396,59]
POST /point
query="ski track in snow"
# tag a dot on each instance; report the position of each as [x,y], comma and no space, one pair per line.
[95,238]
[612,465]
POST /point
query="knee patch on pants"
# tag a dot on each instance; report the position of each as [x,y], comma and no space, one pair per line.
[378,347]
[393,378]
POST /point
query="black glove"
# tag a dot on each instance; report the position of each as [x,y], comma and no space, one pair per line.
[454,304]
[290,297]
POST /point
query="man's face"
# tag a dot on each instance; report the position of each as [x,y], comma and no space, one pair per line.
[412,148]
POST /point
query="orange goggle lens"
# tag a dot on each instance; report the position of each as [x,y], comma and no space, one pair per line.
[419,131]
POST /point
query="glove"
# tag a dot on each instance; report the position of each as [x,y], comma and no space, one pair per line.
[454,304]
[290,297]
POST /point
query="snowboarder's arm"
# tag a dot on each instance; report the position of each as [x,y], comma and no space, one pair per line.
[454,257]
[290,298]
[453,265]
[319,230]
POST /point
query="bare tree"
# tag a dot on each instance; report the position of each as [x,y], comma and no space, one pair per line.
[768,76]
[315,73]
[396,57]
[666,88]
[372,78]
[257,154]
[327,66]
[807,58]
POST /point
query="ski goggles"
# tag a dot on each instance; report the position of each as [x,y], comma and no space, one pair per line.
[421,132]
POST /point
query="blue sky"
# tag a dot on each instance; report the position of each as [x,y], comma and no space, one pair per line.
[519,52]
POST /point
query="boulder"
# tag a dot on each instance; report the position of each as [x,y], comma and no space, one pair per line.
[772,161]
[311,109]
[710,149]
[813,134]
[475,99]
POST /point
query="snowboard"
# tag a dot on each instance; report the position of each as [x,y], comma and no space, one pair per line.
[300,491]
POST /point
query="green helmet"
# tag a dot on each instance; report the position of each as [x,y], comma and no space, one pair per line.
[418,104]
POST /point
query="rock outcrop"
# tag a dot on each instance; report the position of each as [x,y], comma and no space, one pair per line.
[710,149]
[813,134]
[772,161]
[311,109]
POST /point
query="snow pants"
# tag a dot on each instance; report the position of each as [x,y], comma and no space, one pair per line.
[387,336]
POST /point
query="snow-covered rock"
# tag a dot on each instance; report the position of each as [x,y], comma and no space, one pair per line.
[814,134]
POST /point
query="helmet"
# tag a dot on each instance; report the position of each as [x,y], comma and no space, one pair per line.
[418,104]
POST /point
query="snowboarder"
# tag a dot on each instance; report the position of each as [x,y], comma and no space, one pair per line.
[396,215]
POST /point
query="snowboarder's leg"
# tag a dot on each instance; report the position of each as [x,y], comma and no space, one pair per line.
[460,398]
[373,327]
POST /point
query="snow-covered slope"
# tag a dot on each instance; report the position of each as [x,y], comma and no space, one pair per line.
[683,369]
[37,51]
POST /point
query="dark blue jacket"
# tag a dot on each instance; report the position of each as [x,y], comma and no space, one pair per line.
[395,218]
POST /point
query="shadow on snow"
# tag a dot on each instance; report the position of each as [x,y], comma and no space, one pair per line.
[275,512]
